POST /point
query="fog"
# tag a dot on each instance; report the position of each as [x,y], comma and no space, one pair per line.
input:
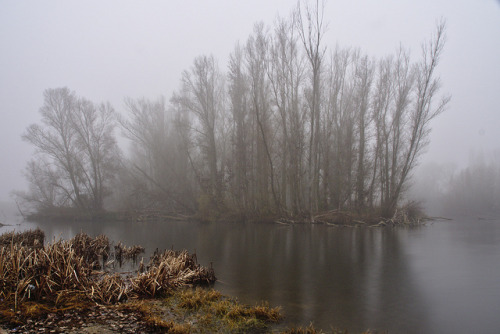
[106,51]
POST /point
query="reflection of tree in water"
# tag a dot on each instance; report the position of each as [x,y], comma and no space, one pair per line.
[348,278]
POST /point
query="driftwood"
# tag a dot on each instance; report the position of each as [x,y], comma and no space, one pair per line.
[408,215]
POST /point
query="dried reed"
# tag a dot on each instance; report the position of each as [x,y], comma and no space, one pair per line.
[30,238]
[123,252]
[64,272]
[91,248]
[168,270]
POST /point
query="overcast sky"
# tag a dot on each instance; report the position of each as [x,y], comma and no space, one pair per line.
[108,50]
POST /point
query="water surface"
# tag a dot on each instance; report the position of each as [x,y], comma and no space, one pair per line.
[441,278]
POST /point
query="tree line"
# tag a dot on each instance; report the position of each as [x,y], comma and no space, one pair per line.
[290,127]
[472,190]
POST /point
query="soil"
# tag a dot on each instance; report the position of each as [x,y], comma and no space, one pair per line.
[96,320]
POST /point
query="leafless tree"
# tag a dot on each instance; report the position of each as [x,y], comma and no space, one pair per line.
[239,101]
[286,77]
[78,150]
[420,113]
[363,83]
[202,94]
[94,126]
[311,28]
[158,166]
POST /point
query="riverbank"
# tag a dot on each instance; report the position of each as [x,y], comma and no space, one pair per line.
[72,287]
[181,311]
[69,287]
[410,214]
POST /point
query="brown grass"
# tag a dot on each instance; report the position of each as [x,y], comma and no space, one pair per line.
[63,275]
[123,252]
[169,270]
[30,238]
[303,330]
[91,249]
[311,330]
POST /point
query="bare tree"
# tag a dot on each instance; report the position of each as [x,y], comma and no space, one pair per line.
[78,150]
[239,100]
[94,126]
[257,63]
[56,140]
[202,94]
[311,29]
[159,165]
[381,103]
[422,111]
[286,76]
[363,82]
[338,137]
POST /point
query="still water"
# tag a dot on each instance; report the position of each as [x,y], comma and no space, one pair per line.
[439,278]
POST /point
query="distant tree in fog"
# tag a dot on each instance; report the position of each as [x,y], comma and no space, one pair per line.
[238,183]
[474,190]
[424,109]
[76,153]
[311,29]
[202,95]
[405,106]
[286,77]
[294,132]
[156,174]
[290,128]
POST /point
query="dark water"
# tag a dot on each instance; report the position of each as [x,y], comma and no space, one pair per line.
[442,278]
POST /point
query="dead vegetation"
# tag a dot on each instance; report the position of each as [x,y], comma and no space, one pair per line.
[31,238]
[63,275]
[305,330]
[123,252]
[91,249]
[169,270]
[56,288]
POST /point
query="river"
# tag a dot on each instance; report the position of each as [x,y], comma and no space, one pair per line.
[439,278]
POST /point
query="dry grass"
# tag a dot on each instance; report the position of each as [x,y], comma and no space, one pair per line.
[62,274]
[303,330]
[91,248]
[30,274]
[311,330]
[31,238]
[123,252]
[169,270]
[261,312]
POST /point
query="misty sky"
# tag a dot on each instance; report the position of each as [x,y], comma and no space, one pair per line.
[108,50]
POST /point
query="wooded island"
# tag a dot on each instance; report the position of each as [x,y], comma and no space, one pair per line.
[288,128]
